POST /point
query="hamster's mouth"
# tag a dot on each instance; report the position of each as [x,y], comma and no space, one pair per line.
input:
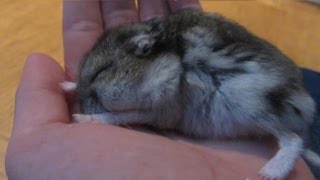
[127,106]
[128,110]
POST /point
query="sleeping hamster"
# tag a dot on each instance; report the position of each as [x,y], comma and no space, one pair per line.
[199,74]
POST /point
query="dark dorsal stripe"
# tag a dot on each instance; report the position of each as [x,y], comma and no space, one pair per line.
[277,99]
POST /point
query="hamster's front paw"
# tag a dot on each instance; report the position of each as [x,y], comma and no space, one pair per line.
[68,86]
[82,118]
[86,118]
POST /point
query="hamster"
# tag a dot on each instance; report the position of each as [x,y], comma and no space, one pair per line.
[200,74]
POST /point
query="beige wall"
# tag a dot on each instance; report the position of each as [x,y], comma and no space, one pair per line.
[293,26]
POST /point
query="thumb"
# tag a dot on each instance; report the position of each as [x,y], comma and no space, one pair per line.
[39,100]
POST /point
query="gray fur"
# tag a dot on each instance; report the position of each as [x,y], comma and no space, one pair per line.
[202,75]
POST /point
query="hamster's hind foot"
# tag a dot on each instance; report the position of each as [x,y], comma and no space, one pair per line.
[290,149]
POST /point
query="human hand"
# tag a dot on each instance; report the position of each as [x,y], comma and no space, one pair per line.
[85,20]
[45,145]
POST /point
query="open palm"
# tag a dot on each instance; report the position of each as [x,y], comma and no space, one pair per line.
[45,145]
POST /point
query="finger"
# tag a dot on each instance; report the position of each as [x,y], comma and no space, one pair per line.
[175,5]
[116,12]
[82,26]
[152,9]
[39,100]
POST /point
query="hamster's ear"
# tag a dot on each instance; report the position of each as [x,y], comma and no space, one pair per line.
[143,44]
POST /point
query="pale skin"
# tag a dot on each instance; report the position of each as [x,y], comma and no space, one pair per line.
[46,145]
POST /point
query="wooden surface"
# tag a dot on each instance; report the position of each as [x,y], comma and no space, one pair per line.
[35,26]
[26,26]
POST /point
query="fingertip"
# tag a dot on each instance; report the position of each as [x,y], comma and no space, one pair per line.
[82,26]
[39,63]
[40,59]
[152,9]
[176,5]
[39,100]
[117,12]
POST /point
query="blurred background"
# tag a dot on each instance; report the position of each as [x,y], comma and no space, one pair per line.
[35,26]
